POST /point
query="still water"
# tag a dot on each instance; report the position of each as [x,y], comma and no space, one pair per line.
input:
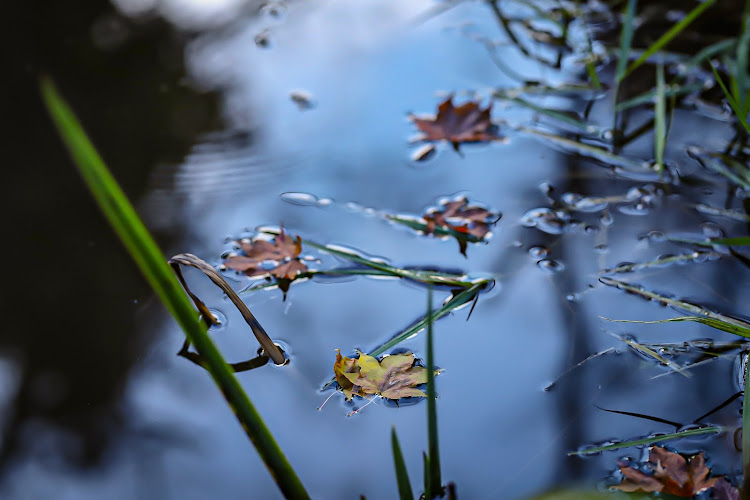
[312,132]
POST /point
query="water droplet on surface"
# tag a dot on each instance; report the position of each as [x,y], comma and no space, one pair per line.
[220,318]
[424,153]
[301,199]
[602,249]
[584,204]
[545,220]
[606,218]
[262,39]
[538,252]
[274,10]
[304,100]
[550,266]
[589,229]
[712,230]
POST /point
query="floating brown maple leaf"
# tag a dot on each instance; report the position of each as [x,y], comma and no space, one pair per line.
[283,255]
[456,215]
[465,123]
[394,377]
[672,474]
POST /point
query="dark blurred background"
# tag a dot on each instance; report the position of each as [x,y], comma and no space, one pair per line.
[67,280]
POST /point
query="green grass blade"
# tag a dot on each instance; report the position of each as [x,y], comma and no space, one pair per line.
[734,104]
[660,118]
[669,35]
[153,265]
[456,301]
[713,323]
[649,440]
[626,40]
[402,475]
[729,242]
[436,485]
[691,308]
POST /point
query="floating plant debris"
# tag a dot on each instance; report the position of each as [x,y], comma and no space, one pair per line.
[279,258]
[672,474]
[393,377]
[453,217]
[458,125]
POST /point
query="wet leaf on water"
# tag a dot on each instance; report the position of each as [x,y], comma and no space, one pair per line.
[283,255]
[463,124]
[461,218]
[671,473]
[393,377]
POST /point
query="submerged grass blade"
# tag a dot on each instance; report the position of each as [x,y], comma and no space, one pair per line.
[670,34]
[427,277]
[560,116]
[652,95]
[713,323]
[402,475]
[660,118]
[628,268]
[627,165]
[650,352]
[435,481]
[144,251]
[691,308]
[649,440]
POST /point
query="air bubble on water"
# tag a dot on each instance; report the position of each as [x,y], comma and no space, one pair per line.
[550,266]
[601,249]
[262,39]
[353,206]
[584,204]
[657,236]
[299,198]
[538,252]
[700,257]
[221,318]
[572,297]
[274,10]
[712,230]
[545,220]
[638,208]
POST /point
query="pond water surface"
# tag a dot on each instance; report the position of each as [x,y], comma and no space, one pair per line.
[358,69]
